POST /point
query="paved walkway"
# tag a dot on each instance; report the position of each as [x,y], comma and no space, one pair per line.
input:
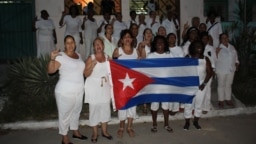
[239,129]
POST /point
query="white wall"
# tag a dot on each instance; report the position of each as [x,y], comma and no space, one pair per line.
[188,9]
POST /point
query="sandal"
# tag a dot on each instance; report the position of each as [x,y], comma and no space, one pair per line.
[154,129]
[120,132]
[169,129]
[131,132]
[94,140]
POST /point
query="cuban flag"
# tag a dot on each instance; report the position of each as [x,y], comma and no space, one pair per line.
[142,81]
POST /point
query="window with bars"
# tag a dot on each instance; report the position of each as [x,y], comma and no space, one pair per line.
[161,6]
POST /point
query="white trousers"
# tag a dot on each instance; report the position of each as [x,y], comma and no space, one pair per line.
[225,86]
[128,113]
[196,105]
[207,98]
[155,106]
[69,109]
[174,106]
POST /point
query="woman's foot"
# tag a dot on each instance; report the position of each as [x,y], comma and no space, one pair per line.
[94,139]
[131,132]
[169,129]
[65,140]
[221,104]
[107,136]
[120,132]
[229,103]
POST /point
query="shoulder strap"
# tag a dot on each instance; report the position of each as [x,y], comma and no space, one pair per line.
[211,26]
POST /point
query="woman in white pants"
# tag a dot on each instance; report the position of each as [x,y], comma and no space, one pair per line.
[126,51]
[196,50]
[69,89]
[226,65]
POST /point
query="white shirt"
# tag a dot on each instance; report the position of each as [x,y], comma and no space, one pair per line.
[102,33]
[215,32]
[226,60]
[71,73]
[185,47]
[154,27]
[73,25]
[176,51]
[158,55]
[142,27]
[211,54]
[118,27]
[170,26]
[109,46]
[129,23]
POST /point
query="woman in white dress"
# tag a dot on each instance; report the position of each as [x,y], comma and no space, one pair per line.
[69,90]
[204,68]
[126,51]
[73,25]
[46,36]
[90,33]
[97,90]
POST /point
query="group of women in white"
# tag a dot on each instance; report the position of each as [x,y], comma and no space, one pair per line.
[112,40]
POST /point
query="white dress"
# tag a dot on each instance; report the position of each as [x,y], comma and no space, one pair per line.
[90,33]
[97,94]
[73,28]
[45,39]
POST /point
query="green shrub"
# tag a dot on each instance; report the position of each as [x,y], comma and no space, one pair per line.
[30,91]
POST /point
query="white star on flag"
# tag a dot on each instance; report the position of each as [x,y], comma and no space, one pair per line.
[127,81]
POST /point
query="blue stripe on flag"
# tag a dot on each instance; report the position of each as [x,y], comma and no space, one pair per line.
[148,98]
[177,81]
[158,62]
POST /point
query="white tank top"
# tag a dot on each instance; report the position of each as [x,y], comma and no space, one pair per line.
[134,54]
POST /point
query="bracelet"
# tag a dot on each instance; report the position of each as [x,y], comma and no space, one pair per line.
[204,83]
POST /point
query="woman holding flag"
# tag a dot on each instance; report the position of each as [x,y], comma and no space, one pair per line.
[126,51]
[160,49]
[204,68]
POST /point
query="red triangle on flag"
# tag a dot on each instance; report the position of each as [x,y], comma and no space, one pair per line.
[126,83]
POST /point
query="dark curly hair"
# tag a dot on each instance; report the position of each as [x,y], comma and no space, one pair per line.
[153,44]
